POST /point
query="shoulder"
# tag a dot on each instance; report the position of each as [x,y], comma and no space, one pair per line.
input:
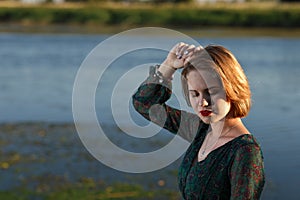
[245,141]
[246,147]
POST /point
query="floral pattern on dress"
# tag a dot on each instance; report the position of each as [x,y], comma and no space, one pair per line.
[234,171]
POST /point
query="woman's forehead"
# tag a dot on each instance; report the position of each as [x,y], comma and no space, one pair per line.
[202,79]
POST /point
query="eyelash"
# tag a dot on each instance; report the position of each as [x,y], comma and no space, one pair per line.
[213,93]
[197,94]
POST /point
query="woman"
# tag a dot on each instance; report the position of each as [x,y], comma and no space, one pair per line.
[223,161]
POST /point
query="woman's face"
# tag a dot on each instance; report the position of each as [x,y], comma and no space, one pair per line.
[207,96]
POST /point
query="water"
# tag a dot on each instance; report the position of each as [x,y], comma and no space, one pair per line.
[38,72]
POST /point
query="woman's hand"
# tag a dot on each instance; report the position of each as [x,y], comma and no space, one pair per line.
[197,57]
[176,59]
[178,54]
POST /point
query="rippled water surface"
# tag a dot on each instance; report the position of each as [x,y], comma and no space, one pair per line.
[38,72]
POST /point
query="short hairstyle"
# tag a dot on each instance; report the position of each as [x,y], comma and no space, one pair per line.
[232,76]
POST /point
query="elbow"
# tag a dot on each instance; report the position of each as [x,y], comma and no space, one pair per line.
[140,107]
[136,104]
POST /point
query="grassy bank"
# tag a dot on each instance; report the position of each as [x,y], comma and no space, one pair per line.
[179,16]
[48,161]
[88,189]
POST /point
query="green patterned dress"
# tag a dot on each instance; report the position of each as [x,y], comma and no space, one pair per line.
[233,171]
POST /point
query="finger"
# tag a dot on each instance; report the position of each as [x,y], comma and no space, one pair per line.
[181,50]
[196,51]
[192,58]
[199,48]
[188,51]
[175,47]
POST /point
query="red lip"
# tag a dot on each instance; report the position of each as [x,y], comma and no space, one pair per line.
[205,113]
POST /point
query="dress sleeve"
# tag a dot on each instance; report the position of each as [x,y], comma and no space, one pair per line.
[247,173]
[149,100]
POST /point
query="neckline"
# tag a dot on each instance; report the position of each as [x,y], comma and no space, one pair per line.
[195,161]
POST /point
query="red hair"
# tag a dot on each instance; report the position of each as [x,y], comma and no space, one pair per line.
[233,78]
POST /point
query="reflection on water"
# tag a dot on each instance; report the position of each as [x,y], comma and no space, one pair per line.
[38,71]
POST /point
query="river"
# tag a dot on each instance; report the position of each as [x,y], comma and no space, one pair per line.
[38,72]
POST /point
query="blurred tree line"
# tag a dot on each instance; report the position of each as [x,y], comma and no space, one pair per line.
[133,1]
[123,1]
[168,1]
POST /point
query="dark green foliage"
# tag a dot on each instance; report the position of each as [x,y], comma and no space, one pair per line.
[156,16]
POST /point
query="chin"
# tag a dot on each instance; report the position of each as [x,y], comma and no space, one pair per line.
[211,119]
[206,120]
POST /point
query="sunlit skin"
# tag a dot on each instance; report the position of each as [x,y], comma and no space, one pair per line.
[207,96]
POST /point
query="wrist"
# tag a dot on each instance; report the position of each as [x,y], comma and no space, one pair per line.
[165,64]
[166,70]
[162,75]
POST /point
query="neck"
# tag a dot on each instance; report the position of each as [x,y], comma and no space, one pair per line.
[222,127]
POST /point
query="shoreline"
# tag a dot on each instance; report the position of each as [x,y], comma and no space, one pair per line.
[235,19]
[214,32]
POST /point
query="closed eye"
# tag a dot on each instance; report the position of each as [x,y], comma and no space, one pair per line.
[213,91]
[194,93]
[210,91]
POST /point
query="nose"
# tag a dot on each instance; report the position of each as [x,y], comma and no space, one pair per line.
[203,102]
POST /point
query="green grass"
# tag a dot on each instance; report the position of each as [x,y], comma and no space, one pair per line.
[275,15]
[88,189]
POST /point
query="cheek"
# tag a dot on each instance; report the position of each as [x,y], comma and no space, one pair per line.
[222,106]
[193,103]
